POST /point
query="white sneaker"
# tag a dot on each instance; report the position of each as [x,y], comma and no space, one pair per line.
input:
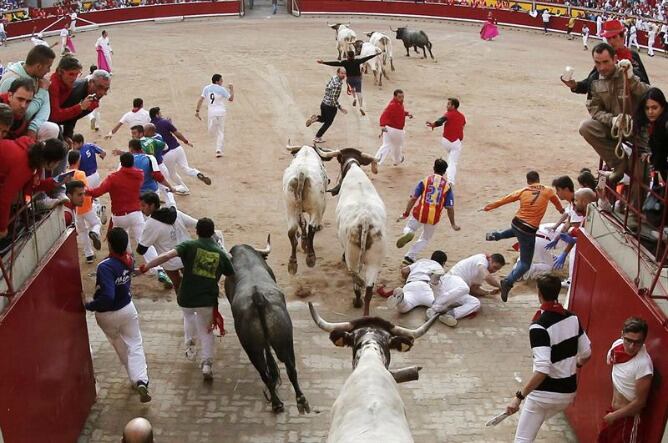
[396,298]
[191,350]
[566,283]
[448,320]
[207,371]
[103,215]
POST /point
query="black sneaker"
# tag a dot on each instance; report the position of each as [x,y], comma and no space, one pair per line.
[142,389]
[206,180]
[505,289]
[97,244]
[90,259]
[490,236]
[407,261]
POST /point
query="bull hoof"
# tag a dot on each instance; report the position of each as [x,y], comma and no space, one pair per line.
[278,407]
[292,267]
[303,406]
[310,260]
[357,302]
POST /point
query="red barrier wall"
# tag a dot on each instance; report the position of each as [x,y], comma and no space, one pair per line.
[46,374]
[439,10]
[603,298]
[16,29]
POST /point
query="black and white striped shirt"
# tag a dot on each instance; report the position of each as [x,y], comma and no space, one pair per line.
[557,339]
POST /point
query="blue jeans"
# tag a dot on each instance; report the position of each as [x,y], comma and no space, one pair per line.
[527,243]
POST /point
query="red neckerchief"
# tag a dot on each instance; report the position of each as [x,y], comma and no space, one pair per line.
[619,355]
[135,109]
[624,54]
[551,306]
[218,322]
[125,258]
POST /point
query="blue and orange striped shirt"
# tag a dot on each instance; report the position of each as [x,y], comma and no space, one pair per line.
[431,193]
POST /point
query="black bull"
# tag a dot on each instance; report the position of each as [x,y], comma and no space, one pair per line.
[262,322]
[416,39]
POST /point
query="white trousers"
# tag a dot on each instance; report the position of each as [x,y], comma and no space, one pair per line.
[122,330]
[176,159]
[416,293]
[93,180]
[196,322]
[533,414]
[585,37]
[427,233]
[458,299]
[393,145]
[86,223]
[94,119]
[133,224]
[163,191]
[542,261]
[650,43]
[454,149]
[633,40]
[217,130]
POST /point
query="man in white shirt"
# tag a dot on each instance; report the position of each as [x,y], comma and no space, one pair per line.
[632,373]
[546,19]
[216,95]
[478,269]
[652,29]
[3,34]
[417,290]
[633,36]
[585,36]
[137,116]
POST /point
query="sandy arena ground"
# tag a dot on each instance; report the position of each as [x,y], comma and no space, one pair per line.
[519,117]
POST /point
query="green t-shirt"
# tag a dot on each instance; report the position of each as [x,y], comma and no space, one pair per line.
[152,146]
[203,264]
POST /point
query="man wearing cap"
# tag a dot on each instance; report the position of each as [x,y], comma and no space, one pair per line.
[613,31]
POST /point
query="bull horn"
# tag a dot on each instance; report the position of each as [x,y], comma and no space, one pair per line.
[415,333]
[410,373]
[265,252]
[325,325]
[368,157]
[393,30]
[327,155]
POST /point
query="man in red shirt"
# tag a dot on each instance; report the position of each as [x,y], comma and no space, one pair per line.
[18,98]
[62,82]
[124,188]
[453,123]
[392,122]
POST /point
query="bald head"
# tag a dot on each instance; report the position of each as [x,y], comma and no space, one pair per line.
[149,129]
[138,430]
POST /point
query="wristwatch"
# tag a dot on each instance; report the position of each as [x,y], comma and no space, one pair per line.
[519,395]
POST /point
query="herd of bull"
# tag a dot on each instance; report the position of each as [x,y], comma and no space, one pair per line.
[369,406]
[379,43]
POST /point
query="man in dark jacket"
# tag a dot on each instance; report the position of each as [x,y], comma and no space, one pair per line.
[93,87]
[116,314]
[613,31]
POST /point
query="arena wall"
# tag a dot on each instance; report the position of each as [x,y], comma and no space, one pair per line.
[603,297]
[47,386]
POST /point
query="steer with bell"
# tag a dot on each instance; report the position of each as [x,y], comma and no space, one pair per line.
[261,320]
[369,408]
[360,222]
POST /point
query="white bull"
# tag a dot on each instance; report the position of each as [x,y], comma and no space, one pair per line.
[304,185]
[360,222]
[365,49]
[382,42]
[369,408]
[345,37]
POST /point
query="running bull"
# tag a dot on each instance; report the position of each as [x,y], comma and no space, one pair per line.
[360,222]
[369,408]
[261,320]
[345,37]
[304,184]
[415,39]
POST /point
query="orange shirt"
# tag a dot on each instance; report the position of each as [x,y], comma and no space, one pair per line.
[533,203]
[88,200]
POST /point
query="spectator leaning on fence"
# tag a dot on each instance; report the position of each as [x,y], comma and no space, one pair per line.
[36,66]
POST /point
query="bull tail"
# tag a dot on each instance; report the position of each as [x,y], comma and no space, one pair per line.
[364,233]
[260,304]
[428,43]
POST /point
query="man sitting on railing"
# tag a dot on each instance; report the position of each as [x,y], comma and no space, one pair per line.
[21,168]
[607,111]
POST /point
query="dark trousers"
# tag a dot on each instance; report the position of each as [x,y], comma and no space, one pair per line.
[527,243]
[326,117]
